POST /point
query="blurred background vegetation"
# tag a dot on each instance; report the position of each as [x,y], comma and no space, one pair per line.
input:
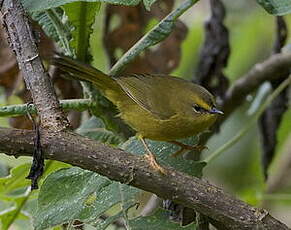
[238,170]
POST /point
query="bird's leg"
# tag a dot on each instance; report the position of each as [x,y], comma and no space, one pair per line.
[151,157]
[185,147]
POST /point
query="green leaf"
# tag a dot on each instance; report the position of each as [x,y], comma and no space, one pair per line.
[40,5]
[158,221]
[70,194]
[154,36]
[163,151]
[15,180]
[94,128]
[14,190]
[8,216]
[104,224]
[51,23]
[276,7]
[73,193]
[81,16]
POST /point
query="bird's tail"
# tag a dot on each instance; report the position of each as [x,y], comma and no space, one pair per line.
[83,72]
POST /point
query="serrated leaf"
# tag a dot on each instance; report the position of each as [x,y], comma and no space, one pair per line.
[81,16]
[39,5]
[74,193]
[94,128]
[51,23]
[163,151]
[158,221]
[276,7]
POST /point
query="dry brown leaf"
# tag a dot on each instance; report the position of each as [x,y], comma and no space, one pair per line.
[133,21]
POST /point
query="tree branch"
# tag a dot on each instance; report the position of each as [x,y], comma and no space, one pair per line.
[270,69]
[22,41]
[134,170]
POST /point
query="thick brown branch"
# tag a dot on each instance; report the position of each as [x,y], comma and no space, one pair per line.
[135,170]
[37,80]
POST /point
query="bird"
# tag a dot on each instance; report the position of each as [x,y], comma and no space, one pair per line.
[158,107]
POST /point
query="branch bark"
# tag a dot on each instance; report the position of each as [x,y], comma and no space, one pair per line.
[134,170]
[23,43]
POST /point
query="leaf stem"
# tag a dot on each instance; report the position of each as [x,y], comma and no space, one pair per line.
[22,109]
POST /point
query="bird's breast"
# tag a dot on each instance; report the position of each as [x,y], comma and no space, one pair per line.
[176,127]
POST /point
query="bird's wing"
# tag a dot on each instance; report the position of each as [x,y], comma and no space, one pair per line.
[149,92]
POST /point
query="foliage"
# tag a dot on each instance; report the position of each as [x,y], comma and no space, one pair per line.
[95,129]
[94,195]
[15,193]
[81,17]
[276,7]
[40,5]
[70,194]
[50,21]
[157,221]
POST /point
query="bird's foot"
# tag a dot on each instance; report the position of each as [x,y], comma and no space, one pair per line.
[185,148]
[154,164]
[151,158]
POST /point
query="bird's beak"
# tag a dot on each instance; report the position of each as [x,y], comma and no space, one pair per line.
[215,111]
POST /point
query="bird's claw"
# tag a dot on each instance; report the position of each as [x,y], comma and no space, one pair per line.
[154,164]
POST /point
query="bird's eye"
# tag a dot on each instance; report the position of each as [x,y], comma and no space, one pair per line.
[198,109]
